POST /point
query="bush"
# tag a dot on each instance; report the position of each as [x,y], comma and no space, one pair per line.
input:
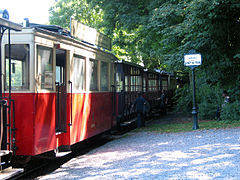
[231,111]
[208,99]
[183,99]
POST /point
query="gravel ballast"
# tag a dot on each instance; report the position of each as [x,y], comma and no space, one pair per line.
[201,154]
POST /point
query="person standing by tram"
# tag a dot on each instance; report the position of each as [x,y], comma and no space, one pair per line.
[164,101]
[139,104]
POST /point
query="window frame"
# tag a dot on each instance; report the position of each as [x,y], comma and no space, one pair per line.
[108,75]
[39,74]
[25,87]
[80,57]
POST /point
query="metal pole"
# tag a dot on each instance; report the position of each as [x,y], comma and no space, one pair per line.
[9,88]
[9,64]
[2,30]
[194,109]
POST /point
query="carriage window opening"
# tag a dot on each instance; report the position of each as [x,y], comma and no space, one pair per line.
[126,83]
[119,83]
[164,84]
[59,74]
[136,83]
[93,75]
[19,66]
[112,74]
[60,66]
[152,86]
[78,74]
[104,76]
[144,84]
[45,67]
[133,82]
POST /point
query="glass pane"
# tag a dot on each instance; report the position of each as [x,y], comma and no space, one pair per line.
[126,83]
[93,75]
[19,66]
[78,76]
[45,67]
[104,76]
[164,85]
[58,74]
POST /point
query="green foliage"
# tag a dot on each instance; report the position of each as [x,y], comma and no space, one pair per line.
[209,99]
[231,112]
[80,10]
[158,33]
[183,97]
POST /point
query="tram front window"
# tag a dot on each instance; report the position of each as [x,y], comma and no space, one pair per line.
[19,66]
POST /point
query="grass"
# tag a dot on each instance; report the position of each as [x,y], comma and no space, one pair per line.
[186,127]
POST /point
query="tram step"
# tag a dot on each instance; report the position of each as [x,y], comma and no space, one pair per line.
[9,173]
[61,154]
[4,152]
[126,123]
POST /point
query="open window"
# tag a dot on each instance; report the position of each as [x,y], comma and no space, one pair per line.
[19,66]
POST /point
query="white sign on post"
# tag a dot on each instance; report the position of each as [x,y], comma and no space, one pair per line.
[192,60]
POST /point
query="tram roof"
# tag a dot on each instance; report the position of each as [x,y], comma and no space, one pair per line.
[10,25]
[129,63]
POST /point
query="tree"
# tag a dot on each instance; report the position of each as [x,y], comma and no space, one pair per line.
[158,33]
[80,10]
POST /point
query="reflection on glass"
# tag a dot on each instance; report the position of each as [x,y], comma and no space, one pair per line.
[93,75]
[104,76]
[78,74]
[45,67]
[19,66]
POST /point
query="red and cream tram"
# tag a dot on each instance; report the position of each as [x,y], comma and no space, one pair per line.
[63,90]
[61,87]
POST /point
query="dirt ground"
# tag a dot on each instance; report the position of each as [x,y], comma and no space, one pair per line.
[171,118]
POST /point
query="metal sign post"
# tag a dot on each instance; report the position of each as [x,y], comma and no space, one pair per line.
[193,60]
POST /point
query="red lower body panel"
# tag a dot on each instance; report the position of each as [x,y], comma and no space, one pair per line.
[90,114]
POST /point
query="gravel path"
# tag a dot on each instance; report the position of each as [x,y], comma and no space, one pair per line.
[203,154]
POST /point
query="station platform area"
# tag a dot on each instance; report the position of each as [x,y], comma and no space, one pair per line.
[200,154]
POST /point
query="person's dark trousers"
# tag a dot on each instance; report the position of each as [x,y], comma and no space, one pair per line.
[139,119]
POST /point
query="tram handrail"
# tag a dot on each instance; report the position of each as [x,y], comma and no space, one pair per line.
[70,82]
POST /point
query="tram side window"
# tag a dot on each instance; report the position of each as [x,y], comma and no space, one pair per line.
[45,67]
[19,66]
[104,76]
[93,75]
[139,83]
[165,84]
[136,83]
[152,85]
[144,84]
[119,82]
[78,76]
[126,84]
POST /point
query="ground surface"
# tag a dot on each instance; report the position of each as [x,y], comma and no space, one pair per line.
[200,154]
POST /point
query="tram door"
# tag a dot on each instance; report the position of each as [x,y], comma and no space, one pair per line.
[61,92]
